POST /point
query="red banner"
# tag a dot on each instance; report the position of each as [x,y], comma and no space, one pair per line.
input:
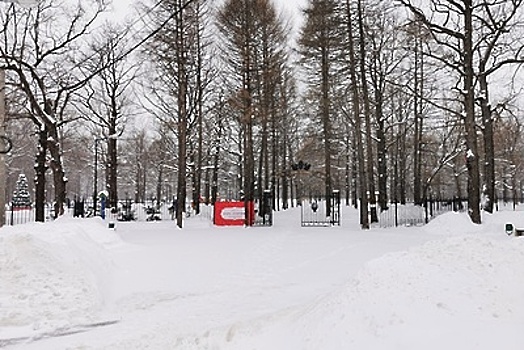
[233,213]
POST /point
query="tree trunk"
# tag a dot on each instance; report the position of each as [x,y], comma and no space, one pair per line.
[472,160]
[285,174]
[417,134]
[195,177]
[248,170]
[3,169]
[489,147]
[112,170]
[159,182]
[200,116]
[214,181]
[362,176]
[283,142]
[367,115]
[326,128]
[182,115]
[262,161]
[248,156]
[53,145]
[182,136]
[59,178]
[348,179]
[274,163]
[247,103]
[40,180]
[382,168]
[207,182]
[382,164]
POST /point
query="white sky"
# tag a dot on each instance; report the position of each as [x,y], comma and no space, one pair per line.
[290,8]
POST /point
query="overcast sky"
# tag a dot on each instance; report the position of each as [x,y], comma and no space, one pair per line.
[290,8]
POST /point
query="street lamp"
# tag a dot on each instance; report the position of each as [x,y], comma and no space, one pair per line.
[299,168]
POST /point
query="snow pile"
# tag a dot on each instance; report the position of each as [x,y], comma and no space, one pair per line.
[461,292]
[74,284]
[52,276]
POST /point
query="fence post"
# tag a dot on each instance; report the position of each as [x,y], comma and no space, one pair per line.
[396,213]
[266,208]
[426,210]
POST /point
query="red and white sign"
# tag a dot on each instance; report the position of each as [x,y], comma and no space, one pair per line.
[232,213]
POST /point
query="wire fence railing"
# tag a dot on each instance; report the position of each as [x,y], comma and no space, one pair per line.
[409,214]
[396,215]
[126,210]
[21,214]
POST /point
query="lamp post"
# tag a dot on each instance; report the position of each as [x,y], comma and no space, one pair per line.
[299,168]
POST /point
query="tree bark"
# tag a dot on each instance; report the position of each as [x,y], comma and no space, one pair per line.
[182,114]
[367,117]
[112,170]
[200,115]
[326,126]
[489,146]
[417,134]
[40,180]
[55,163]
[362,175]
[472,159]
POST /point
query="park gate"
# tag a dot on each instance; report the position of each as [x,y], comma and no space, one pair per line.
[315,211]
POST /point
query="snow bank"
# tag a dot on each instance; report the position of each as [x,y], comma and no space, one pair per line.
[460,287]
[459,292]
[52,276]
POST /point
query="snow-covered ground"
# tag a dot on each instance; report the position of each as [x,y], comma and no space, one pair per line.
[75,284]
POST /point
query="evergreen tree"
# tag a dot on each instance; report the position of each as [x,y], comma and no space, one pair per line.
[21,195]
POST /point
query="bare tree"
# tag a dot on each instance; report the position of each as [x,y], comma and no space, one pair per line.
[455,35]
[43,65]
[136,161]
[178,58]
[320,44]
[287,125]
[254,38]
[498,46]
[355,117]
[200,91]
[476,39]
[508,130]
[105,100]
